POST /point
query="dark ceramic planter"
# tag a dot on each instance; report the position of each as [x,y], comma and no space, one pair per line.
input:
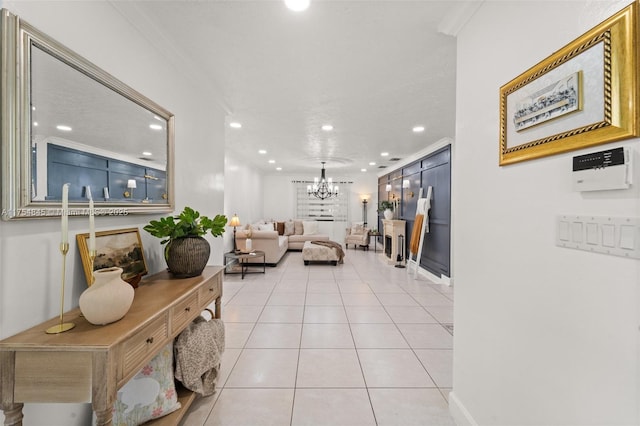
[187,256]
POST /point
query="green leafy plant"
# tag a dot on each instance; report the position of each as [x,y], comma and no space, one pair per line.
[189,223]
[384,205]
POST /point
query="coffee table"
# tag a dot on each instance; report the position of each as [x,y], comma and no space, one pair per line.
[244,261]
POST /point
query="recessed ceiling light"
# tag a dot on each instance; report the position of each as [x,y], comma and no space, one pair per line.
[363,170]
[272,161]
[262,151]
[418,129]
[278,168]
[63,128]
[147,153]
[297,5]
[327,127]
[384,154]
[373,163]
[35,124]
[155,126]
[235,125]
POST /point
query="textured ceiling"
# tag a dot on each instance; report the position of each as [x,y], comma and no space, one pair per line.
[372,69]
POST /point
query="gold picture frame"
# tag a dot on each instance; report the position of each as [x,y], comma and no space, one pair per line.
[119,247]
[584,94]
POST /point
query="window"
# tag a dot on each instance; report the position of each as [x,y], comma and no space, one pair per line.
[330,210]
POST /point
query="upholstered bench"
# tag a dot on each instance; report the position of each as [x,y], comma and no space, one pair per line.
[317,253]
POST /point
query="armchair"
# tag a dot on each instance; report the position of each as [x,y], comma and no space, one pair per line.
[357,235]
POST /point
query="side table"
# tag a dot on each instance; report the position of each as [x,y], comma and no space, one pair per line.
[375,243]
[244,261]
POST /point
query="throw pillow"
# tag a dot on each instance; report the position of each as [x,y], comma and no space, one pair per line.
[357,230]
[280,228]
[149,394]
[289,228]
[310,227]
[265,227]
[299,230]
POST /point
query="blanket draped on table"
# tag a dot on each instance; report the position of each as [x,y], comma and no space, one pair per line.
[332,244]
[198,350]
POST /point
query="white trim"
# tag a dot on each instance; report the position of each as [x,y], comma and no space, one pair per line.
[442,279]
[454,21]
[460,414]
[417,156]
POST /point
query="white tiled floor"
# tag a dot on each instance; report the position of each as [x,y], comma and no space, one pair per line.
[361,343]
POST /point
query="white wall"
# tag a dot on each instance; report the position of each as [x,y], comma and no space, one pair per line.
[280,203]
[244,195]
[30,263]
[543,335]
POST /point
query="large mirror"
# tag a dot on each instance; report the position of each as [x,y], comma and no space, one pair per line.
[64,120]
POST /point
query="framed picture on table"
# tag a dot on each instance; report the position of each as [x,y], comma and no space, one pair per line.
[121,248]
[584,94]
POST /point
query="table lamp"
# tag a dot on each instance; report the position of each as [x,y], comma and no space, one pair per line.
[235,222]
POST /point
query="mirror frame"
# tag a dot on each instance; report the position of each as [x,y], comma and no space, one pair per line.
[15,127]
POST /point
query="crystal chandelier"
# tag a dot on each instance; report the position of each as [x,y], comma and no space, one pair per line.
[322,188]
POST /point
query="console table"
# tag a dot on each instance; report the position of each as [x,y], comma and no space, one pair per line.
[90,363]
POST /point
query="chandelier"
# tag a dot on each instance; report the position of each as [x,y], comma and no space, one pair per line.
[322,188]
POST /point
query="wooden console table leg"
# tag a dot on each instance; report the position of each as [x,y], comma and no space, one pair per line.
[12,414]
[12,410]
[103,392]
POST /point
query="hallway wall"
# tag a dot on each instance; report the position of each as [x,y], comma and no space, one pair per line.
[30,263]
[543,335]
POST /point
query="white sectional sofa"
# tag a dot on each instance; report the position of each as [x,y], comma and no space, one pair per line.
[275,243]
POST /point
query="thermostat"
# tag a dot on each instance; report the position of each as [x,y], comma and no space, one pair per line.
[601,171]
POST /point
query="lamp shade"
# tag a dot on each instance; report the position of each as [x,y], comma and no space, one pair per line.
[131,183]
[235,221]
[388,188]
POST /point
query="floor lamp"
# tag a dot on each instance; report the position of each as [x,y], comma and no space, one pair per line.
[235,222]
[364,212]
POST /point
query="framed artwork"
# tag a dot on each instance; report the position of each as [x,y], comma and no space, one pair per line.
[121,248]
[584,94]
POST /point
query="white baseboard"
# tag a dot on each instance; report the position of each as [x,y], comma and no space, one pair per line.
[460,415]
[441,279]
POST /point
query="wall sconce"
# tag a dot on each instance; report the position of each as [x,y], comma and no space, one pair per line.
[406,185]
[131,185]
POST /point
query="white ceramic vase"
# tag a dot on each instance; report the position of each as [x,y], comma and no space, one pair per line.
[108,299]
[388,214]
[247,246]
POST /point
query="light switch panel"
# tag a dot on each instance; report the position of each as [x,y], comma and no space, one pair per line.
[563,230]
[608,235]
[618,236]
[627,237]
[576,232]
[592,233]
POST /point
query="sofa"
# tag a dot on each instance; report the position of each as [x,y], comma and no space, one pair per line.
[275,239]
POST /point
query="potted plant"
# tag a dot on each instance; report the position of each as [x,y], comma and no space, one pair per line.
[186,252]
[386,207]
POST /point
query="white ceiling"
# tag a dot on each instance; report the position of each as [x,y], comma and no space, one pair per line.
[372,69]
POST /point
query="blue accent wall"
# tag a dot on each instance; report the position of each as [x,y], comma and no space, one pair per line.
[80,169]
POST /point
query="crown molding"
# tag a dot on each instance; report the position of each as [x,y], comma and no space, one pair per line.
[458,17]
[184,64]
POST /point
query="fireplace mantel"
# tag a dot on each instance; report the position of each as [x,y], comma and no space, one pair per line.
[391,230]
